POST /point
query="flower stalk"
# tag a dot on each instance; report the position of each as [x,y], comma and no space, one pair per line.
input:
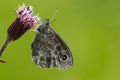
[4,45]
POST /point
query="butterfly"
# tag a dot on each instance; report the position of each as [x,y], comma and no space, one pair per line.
[49,50]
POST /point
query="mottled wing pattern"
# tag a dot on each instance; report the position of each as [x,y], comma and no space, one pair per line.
[49,50]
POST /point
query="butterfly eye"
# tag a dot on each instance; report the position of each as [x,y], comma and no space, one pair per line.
[47,23]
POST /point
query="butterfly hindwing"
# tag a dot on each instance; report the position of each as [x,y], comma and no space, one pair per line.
[49,50]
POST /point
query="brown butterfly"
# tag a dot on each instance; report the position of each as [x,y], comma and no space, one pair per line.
[49,50]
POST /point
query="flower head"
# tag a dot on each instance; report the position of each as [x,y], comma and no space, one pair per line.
[22,23]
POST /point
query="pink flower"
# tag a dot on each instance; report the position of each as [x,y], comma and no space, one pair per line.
[22,23]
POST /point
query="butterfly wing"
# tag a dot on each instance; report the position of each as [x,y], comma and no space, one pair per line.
[64,57]
[49,50]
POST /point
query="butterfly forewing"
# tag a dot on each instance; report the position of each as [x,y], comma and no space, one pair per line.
[49,50]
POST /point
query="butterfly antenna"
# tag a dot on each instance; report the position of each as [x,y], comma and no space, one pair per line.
[53,18]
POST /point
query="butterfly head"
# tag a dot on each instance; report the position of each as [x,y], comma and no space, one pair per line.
[46,23]
[43,27]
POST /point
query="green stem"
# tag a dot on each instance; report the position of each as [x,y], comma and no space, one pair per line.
[4,45]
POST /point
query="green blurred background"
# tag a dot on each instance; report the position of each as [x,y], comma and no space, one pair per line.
[91,28]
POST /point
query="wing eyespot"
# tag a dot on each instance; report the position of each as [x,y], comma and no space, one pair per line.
[63,57]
